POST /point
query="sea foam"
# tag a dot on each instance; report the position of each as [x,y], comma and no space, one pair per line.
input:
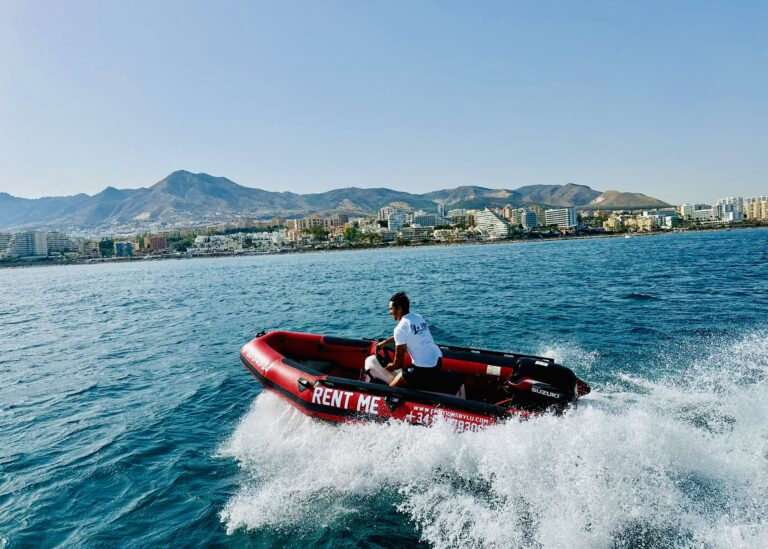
[681,460]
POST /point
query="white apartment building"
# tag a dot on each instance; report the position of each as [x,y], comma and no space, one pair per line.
[704,214]
[491,225]
[732,204]
[384,212]
[5,244]
[28,244]
[564,218]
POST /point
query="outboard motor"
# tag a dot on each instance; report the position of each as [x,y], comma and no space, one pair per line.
[540,384]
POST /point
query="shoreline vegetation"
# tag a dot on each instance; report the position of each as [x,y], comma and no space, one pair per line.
[57,261]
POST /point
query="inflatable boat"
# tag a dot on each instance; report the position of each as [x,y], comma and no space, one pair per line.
[328,377]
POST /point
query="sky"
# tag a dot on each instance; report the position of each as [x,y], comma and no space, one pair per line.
[663,98]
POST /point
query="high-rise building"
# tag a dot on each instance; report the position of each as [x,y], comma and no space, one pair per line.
[441,210]
[5,244]
[686,210]
[395,220]
[564,218]
[521,216]
[736,203]
[29,243]
[491,224]
[756,209]
[530,220]
[58,242]
[384,212]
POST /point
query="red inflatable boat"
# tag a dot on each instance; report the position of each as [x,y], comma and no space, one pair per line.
[325,377]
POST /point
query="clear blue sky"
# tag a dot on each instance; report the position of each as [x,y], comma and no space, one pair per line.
[665,98]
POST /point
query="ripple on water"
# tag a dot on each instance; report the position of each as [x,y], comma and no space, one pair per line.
[126,415]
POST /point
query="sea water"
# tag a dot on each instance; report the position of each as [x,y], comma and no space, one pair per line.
[126,418]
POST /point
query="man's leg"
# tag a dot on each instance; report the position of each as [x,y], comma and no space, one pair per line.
[377,371]
[399,381]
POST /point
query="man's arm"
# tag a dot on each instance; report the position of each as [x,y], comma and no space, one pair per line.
[381,344]
[399,358]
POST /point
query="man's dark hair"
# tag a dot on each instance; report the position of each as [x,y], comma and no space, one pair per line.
[401,300]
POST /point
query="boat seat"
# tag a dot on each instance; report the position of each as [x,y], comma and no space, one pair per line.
[322,366]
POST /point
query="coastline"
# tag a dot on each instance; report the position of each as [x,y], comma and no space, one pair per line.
[354,248]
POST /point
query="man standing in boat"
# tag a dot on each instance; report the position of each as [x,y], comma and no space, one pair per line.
[411,335]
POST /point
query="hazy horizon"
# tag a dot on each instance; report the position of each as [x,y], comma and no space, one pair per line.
[664,100]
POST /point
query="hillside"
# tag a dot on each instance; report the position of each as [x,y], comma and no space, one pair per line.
[188,198]
[615,200]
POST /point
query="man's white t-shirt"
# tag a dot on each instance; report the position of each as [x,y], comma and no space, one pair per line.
[412,330]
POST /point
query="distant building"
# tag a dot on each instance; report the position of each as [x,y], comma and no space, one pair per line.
[387,235]
[756,209]
[339,219]
[732,204]
[522,217]
[416,234]
[58,242]
[384,212]
[123,249]
[88,248]
[564,218]
[729,212]
[424,219]
[491,225]
[5,244]
[157,242]
[642,224]
[395,220]
[613,224]
[538,210]
[29,244]
[687,210]
[441,210]
[704,215]
[530,220]
[312,221]
[458,216]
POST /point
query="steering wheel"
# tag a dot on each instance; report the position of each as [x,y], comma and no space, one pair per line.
[383,356]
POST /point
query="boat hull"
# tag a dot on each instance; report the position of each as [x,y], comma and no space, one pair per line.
[323,379]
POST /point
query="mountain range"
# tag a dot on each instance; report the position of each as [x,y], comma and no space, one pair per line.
[195,199]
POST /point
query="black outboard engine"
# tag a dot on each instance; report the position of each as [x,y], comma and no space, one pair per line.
[538,384]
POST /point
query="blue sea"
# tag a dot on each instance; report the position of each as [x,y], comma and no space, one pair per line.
[127,420]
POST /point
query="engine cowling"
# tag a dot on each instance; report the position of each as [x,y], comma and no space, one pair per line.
[539,384]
